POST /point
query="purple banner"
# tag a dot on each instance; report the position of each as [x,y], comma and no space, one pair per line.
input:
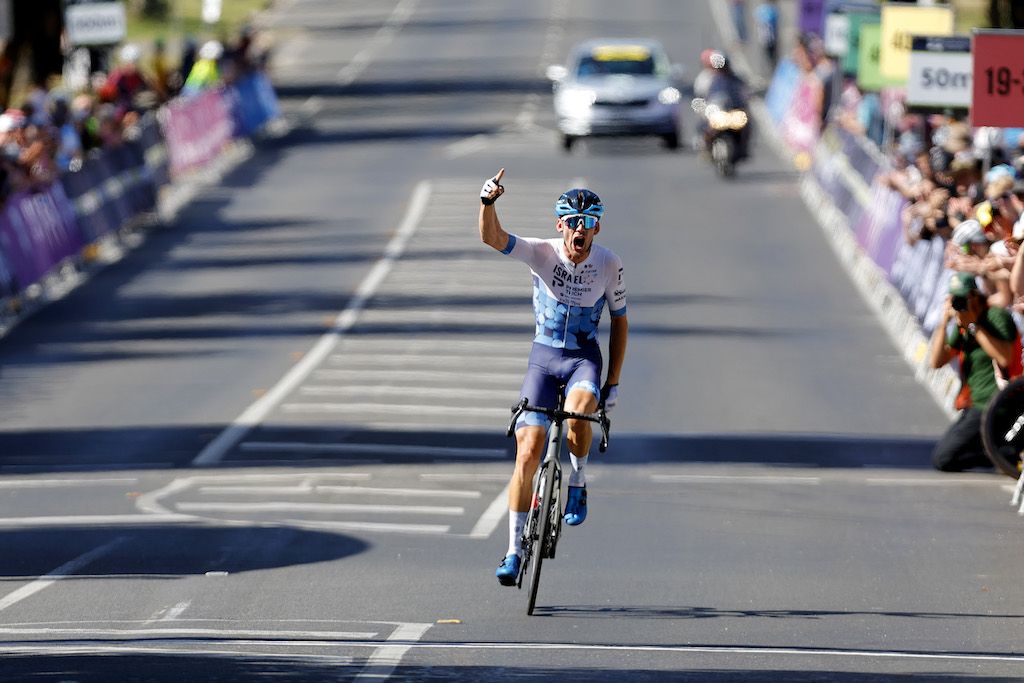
[879,229]
[38,231]
[196,129]
[812,17]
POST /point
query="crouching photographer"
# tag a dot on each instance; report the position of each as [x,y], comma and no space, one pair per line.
[986,343]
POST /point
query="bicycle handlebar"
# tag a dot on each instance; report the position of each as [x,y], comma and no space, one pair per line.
[600,417]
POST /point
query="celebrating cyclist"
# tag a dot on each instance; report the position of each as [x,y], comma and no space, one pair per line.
[573,280]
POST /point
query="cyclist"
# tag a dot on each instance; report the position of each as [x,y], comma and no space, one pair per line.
[573,280]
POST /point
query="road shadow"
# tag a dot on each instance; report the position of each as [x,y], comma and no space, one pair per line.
[165,551]
[657,612]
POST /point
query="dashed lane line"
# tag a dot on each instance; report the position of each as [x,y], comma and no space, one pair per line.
[255,413]
[61,572]
[492,516]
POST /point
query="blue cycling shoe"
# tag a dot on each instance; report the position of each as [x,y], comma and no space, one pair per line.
[576,505]
[508,571]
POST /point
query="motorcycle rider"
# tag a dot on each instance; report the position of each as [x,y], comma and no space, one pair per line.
[727,91]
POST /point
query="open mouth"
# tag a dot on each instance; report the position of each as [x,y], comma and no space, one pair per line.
[578,241]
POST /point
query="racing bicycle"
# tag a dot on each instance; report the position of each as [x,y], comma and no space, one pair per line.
[1002,434]
[544,522]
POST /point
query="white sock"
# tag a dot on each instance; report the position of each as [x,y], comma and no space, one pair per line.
[577,477]
[516,522]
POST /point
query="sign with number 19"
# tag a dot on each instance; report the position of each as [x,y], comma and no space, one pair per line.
[997,97]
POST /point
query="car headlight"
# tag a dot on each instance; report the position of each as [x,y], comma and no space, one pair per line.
[669,96]
[578,101]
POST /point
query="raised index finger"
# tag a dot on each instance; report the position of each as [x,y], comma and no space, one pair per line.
[497,177]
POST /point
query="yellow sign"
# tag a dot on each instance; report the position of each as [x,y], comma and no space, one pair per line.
[621,53]
[899,24]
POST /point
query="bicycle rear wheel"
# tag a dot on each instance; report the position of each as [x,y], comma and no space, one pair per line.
[540,541]
[1002,428]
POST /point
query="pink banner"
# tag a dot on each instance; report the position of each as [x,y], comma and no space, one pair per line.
[801,125]
[196,129]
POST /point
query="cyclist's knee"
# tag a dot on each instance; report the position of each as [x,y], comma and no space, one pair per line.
[529,443]
[582,398]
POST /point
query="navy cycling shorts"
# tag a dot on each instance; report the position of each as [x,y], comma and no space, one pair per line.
[549,368]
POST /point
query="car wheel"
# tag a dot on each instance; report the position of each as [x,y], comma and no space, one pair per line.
[671,140]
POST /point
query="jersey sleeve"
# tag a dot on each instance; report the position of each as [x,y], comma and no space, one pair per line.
[615,292]
[529,250]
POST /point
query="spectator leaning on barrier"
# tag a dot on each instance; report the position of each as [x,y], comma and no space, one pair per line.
[205,73]
[987,344]
[970,250]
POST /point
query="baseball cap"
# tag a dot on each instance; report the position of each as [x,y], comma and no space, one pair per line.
[962,284]
[969,232]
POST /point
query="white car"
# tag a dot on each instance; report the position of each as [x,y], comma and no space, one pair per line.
[617,87]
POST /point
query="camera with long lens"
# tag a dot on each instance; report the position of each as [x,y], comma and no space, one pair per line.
[959,303]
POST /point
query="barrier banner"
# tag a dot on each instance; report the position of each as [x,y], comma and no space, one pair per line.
[154,153]
[83,189]
[253,103]
[8,284]
[196,129]
[37,231]
[879,229]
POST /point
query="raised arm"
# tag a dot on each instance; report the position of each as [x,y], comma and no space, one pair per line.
[491,232]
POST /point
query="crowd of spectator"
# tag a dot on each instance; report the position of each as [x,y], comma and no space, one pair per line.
[965,187]
[54,127]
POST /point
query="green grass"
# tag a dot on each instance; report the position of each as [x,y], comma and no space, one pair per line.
[185,19]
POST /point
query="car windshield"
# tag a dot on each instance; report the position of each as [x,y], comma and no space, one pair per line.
[617,59]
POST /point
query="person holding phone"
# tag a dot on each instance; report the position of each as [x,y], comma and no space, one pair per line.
[987,345]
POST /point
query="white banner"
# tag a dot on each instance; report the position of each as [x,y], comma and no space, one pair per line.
[102,23]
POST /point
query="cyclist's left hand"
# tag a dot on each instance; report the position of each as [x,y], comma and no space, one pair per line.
[609,396]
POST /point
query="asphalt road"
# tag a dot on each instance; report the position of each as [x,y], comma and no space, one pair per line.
[270,441]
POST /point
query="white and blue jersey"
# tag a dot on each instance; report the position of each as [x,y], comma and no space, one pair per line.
[568,297]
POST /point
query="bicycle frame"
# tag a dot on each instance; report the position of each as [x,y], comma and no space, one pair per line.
[544,522]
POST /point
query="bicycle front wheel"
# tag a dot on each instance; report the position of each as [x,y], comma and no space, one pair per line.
[1002,428]
[544,530]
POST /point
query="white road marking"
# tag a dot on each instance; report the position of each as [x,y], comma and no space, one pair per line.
[385,658]
[394,23]
[280,506]
[254,414]
[392,409]
[72,647]
[60,483]
[61,572]
[463,476]
[360,391]
[492,516]
[176,611]
[91,520]
[224,634]
[399,375]
[435,360]
[410,493]
[732,478]
[377,527]
[362,448]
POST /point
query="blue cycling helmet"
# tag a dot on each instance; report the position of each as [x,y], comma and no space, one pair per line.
[579,200]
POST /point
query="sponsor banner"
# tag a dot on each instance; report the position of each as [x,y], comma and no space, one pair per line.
[899,22]
[940,73]
[997,97]
[37,231]
[253,104]
[780,91]
[196,129]
[8,283]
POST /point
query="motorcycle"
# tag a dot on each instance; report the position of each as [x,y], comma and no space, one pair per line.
[725,134]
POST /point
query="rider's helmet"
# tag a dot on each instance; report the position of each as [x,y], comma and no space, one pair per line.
[579,200]
[705,57]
